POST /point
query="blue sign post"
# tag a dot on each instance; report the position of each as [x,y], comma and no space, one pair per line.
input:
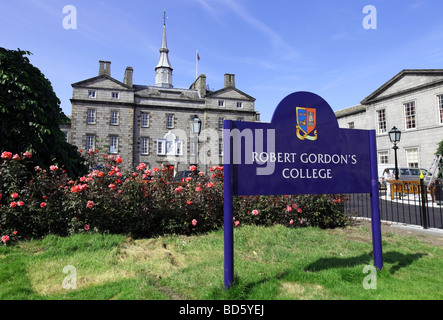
[302,151]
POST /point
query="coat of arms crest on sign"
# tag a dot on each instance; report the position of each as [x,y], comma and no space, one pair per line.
[306,123]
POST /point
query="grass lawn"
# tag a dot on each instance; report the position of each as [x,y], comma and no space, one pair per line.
[275,263]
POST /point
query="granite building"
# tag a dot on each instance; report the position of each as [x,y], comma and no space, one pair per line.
[412,101]
[154,124]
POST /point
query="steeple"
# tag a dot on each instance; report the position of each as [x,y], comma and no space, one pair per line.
[163,70]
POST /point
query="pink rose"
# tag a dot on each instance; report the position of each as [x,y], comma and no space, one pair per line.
[43,204]
[5,239]
[194,222]
[13,204]
[27,154]
[86,227]
[90,204]
[254,212]
[192,168]
[6,155]
[14,195]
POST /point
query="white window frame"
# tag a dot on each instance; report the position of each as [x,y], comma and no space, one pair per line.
[90,143]
[178,147]
[381,123]
[239,104]
[221,103]
[92,94]
[144,145]
[144,121]
[220,147]
[382,154]
[407,150]
[113,144]
[114,119]
[440,108]
[220,123]
[115,95]
[91,116]
[169,121]
[161,147]
[413,116]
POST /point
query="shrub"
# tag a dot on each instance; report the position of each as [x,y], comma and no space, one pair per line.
[139,203]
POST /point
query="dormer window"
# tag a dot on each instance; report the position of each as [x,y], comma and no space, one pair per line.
[115,95]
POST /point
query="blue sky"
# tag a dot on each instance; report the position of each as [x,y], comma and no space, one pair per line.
[274,47]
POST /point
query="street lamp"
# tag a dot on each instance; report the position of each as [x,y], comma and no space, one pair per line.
[196,125]
[394,136]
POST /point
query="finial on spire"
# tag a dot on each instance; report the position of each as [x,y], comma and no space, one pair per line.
[164,17]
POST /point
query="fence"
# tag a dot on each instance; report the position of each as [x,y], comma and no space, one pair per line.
[402,201]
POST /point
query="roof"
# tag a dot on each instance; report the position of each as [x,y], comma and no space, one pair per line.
[210,94]
[428,77]
[84,82]
[350,111]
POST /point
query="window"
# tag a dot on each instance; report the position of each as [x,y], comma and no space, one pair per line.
[240,119]
[178,147]
[161,146]
[239,104]
[90,143]
[170,121]
[351,125]
[145,145]
[170,145]
[381,121]
[221,103]
[440,108]
[115,95]
[145,120]
[412,157]
[410,115]
[91,116]
[113,144]
[383,157]
[92,94]
[220,147]
[220,123]
[114,118]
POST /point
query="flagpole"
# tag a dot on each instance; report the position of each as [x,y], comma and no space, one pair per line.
[196,65]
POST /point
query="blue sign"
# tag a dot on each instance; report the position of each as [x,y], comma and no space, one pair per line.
[302,151]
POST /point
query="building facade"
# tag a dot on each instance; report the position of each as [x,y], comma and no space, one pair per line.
[154,124]
[412,101]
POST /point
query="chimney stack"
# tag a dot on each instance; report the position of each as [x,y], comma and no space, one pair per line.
[128,76]
[229,80]
[105,68]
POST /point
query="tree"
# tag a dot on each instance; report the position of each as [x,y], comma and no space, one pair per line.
[30,115]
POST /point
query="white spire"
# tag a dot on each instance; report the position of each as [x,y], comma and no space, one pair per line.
[163,70]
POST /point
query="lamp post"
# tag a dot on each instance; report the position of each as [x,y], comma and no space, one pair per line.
[394,136]
[196,125]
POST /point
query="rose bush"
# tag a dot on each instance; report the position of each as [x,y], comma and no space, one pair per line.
[140,203]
